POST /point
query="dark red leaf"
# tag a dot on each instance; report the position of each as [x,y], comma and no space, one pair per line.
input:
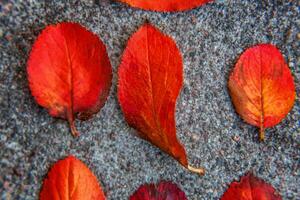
[165,190]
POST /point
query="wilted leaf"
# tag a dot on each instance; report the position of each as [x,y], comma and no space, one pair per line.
[165,5]
[69,72]
[150,78]
[70,179]
[262,87]
[250,188]
[165,190]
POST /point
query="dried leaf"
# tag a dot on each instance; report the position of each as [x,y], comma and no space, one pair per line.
[70,179]
[262,87]
[250,188]
[69,72]
[150,78]
[165,5]
[165,190]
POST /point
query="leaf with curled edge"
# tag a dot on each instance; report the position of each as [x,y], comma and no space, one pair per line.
[70,179]
[165,5]
[165,190]
[261,87]
[250,188]
[150,79]
[69,72]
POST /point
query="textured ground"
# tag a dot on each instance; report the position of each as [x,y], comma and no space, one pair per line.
[210,39]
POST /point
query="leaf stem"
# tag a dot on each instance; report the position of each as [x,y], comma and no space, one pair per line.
[261,134]
[200,171]
[74,131]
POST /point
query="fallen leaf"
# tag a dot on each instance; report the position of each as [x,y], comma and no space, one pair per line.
[150,79]
[165,5]
[250,188]
[261,87]
[69,72]
[70,179]
[165,190]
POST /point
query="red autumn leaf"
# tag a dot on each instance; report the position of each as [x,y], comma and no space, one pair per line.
[262,87]
[69,72]
[150,78]
[250,188]
[165,190]
[70,179]
[165,5]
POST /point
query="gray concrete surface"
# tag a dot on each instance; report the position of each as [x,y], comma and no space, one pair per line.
[210,38]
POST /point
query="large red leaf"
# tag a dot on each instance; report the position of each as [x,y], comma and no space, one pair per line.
[250,188]
[165,190]
[262,87]
[165,5]
[70,179]
[150,78]
[69,72]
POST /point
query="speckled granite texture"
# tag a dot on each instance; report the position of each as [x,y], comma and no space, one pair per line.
[210,38]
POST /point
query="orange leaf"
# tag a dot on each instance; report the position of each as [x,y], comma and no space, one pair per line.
[250,188]
[69,72]
[70,179]
[165,190]
[165,5]
[262,87]
[150,78]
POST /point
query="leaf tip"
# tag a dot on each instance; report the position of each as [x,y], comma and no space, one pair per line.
[147,21]
[200,170]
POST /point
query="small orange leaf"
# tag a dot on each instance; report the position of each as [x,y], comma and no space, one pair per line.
[150,78]
[70,179]
[69,72]
[250,188]
[165,190]
[262,87]
[165,5]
